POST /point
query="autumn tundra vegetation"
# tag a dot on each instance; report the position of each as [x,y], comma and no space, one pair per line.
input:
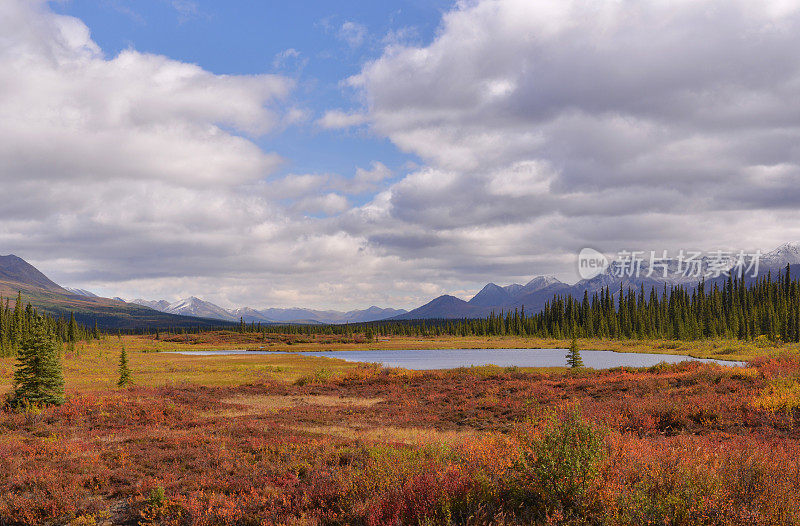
[119,429]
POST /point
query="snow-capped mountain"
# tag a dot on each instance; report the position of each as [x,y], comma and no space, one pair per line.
[249,315]
[160,305]
[194,306]
[786,254]
[495,296]
[539,283]
[645,269]
[191,306]
[681,269]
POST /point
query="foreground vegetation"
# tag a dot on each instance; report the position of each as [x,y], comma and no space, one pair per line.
[285,439]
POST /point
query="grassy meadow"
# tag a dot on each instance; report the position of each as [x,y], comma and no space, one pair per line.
[284,439]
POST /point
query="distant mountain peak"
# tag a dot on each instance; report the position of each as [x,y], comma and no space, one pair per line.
[159,305]
[790,245]
[491,294]
[792,248]
[541,282]
[194,306]
[445,306]
[787,253]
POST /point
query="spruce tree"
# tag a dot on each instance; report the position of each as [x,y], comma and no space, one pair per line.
[38,379]
[125,379]
[574,359]
[72,330]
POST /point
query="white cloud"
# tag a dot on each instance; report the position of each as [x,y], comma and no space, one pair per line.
[352,33]
[539,127]
[366,180]
[570,123]
[143,169]
[328,204]
[323,185]
[289,59]
[338,119]
[134,116]
[186,8]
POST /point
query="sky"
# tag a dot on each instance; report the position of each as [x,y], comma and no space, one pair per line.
[348,154]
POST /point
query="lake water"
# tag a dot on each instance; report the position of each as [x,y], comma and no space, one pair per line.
[452,358]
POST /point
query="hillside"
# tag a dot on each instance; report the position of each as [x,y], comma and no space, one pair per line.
[16,275]
[445,307]
[16,270]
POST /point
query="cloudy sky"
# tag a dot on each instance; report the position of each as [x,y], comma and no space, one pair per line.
[346,154]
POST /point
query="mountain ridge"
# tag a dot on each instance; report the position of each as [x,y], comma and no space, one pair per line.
[541,289]
[197,306]
[17,276]
[14,269]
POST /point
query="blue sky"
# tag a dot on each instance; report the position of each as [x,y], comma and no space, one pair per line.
[243,37]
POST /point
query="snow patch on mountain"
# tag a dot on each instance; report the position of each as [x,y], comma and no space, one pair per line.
[81,292]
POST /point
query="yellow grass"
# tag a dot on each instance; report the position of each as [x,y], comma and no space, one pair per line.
[93,365]
[403,435]
[257,404]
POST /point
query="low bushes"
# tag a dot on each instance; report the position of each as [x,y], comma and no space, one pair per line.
[557,465]
[680,445]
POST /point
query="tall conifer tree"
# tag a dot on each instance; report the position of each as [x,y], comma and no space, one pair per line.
[38,379]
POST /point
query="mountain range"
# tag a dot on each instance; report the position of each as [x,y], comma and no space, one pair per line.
[18,275]
[541,289]
[531,296]
[194,306]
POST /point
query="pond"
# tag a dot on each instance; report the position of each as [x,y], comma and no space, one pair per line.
[451,358]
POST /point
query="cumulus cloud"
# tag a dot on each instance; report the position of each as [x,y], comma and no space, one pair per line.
[328,204]
[138,175]
[304,185]
[367,180]
[135,116]
[567,123]
[538,128]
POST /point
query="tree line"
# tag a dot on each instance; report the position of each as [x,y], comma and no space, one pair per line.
[734,309]
[18,322]
[36,340]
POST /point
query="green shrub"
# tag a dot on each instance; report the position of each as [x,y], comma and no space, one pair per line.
[556,467]
[157,497]
[320,376]
[669,493]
